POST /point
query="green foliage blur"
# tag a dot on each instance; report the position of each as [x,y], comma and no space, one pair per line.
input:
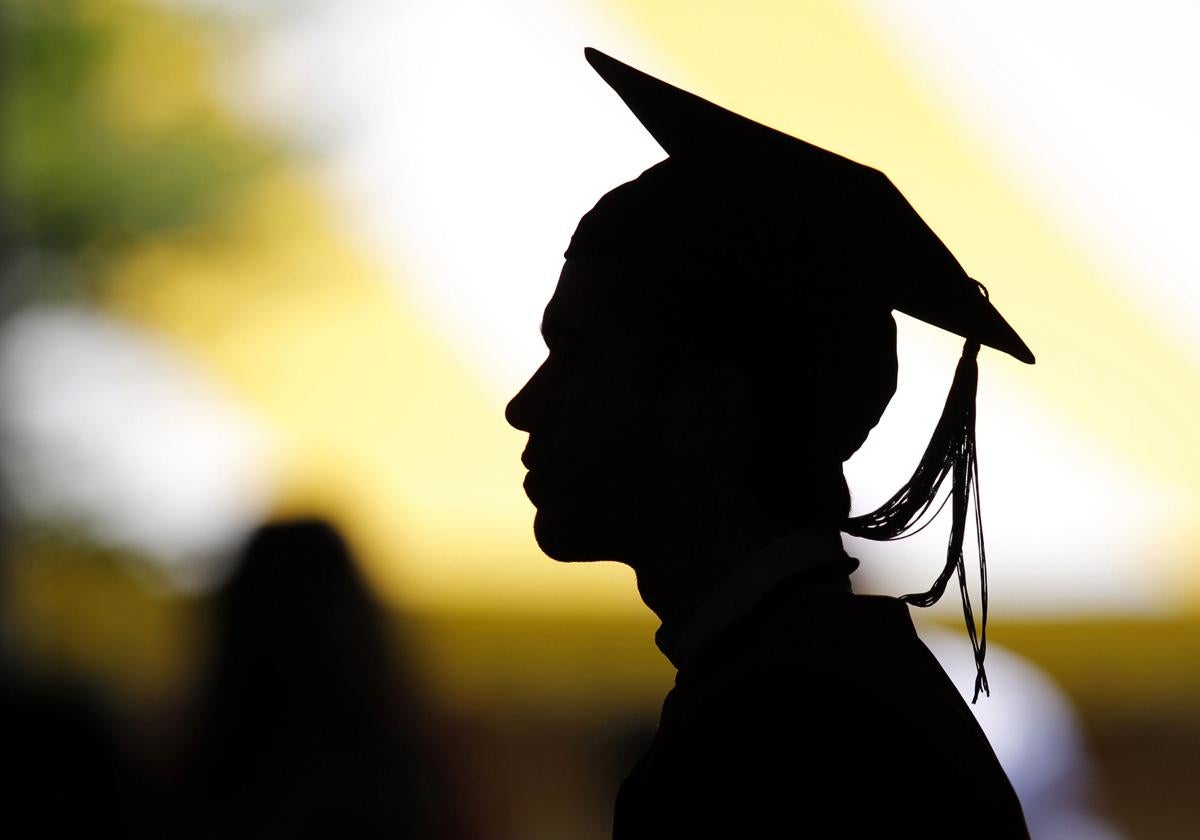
[111,139]
[79,181]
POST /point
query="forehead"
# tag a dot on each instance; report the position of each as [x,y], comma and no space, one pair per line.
[588,300]
[610,308]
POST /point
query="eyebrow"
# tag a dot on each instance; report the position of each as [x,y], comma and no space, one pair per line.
[555,331]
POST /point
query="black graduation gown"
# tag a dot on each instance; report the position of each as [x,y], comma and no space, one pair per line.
[818,713]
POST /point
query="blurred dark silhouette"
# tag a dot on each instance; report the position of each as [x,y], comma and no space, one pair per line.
[306,726]
[67,771]
[721,340]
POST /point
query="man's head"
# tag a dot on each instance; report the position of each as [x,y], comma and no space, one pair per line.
[648,406]
[749,259]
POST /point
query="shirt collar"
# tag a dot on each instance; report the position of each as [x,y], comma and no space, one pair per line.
[745,586]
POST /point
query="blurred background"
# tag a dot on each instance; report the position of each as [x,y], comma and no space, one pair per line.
[284,261]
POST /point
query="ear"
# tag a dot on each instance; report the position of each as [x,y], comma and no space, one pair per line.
[712,406]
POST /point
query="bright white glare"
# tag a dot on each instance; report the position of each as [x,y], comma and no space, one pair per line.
[1094,107]
[106,430]
[1035,733]
[466,138]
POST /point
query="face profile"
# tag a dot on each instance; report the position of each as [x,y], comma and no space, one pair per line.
[602,452]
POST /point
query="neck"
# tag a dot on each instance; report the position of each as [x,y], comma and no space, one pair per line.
[697,546]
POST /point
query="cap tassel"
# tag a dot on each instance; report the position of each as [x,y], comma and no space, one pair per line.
[951,452]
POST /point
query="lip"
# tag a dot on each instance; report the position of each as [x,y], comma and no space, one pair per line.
[531,486]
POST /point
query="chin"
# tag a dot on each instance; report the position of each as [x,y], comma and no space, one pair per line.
[567,540]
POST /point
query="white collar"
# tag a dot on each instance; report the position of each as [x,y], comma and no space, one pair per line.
[746,585]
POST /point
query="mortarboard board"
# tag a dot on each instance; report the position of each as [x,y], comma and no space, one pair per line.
[807,228]
[923,278]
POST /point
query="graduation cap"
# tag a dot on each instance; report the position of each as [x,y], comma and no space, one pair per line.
[809,229]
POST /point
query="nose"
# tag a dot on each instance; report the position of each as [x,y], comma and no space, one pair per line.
[520,410]
[513,413]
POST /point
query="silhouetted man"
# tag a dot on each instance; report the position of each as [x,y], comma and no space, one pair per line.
[721,341]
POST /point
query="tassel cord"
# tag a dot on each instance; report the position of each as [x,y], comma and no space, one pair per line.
[951,453]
